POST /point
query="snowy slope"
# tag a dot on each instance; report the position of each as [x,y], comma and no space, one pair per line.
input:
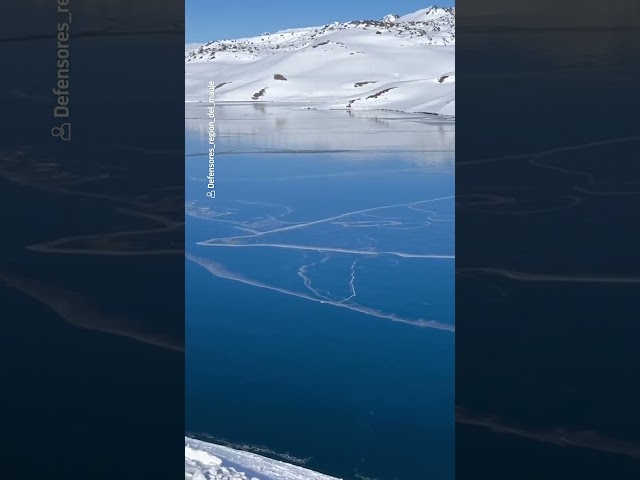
[204,460]
[430,14]
[402,63]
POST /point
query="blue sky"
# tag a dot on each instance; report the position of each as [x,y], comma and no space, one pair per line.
[208,20]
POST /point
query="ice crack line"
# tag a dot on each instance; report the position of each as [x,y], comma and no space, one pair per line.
[326,220]
[352,282]
[370,251]
[220,271]
[307,281]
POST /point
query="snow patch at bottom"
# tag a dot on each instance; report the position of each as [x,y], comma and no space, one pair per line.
[208,461]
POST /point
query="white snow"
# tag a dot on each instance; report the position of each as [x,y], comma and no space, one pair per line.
[395,64]
[427,14]
[201,456]
[204,460]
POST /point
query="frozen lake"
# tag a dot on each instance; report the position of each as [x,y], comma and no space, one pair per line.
[320,288]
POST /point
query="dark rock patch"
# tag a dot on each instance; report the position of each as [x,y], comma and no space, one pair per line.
[359,84]
[376,95]
[259,94]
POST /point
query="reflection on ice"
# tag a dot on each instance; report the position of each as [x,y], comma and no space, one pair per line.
[279,129]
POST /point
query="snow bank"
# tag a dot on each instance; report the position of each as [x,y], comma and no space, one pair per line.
[204,460]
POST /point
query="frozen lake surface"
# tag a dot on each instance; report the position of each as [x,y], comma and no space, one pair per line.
[320,288]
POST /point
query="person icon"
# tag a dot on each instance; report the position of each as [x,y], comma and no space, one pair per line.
[63,132]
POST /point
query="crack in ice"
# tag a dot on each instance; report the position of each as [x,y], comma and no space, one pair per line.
[352,282]
[307,281]
[325,220]
[220,271]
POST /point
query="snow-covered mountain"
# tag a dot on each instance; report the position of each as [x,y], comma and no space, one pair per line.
[402,63]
